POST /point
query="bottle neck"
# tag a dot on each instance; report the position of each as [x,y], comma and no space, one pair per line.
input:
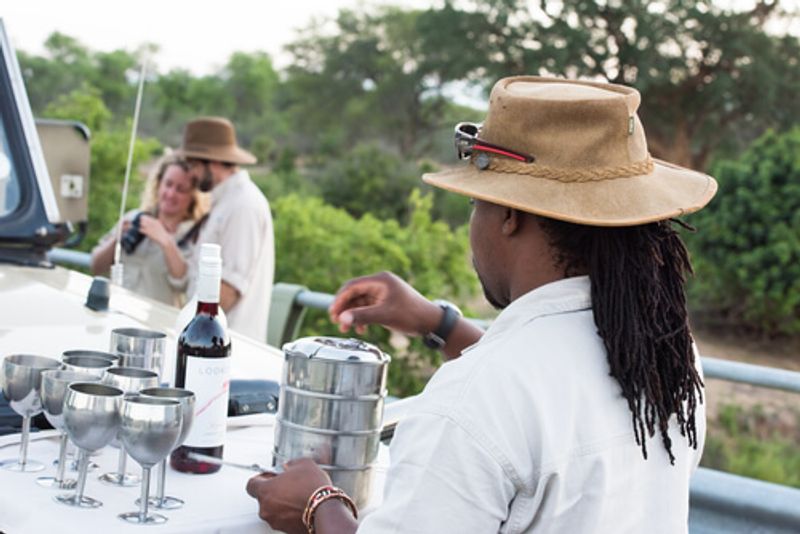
[208,286]
[210,308]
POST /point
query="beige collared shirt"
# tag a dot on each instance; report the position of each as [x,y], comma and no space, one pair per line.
[241,223]
[526,432]
[145,270]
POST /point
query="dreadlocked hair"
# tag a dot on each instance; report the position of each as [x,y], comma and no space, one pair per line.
[637,278]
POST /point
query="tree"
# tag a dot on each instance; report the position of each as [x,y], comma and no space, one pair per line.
[365,80]
[710,77]
[69,66]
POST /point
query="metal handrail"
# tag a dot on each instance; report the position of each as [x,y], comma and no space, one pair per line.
[746,373]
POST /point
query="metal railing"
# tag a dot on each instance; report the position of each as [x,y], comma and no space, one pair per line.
[719,502]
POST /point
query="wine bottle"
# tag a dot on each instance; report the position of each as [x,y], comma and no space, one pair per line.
[203,366]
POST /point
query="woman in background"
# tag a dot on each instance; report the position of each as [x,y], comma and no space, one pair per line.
[157,238]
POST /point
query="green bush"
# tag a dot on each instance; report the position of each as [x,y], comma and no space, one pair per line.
[746,443]
[747,250]
[321,247]
[369,179]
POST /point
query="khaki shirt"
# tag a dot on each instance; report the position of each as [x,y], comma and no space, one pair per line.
[145,270]
[241,223]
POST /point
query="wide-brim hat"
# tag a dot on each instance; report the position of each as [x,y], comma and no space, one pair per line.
[579,154]
[214,139]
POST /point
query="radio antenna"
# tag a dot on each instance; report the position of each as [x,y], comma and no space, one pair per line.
[116,268]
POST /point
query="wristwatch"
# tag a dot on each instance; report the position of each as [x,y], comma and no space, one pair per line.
[438,337]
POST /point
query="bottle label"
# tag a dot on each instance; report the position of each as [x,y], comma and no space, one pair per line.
[209,378]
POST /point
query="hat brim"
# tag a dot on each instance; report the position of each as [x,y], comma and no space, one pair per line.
[235,155]
[669,191]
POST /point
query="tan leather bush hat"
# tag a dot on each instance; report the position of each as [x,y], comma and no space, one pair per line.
[213,138]
[586,151]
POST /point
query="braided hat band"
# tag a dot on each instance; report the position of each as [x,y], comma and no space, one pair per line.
[576,175]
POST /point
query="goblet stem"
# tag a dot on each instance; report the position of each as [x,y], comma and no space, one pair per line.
[23,448]
[62,459]
[83,467]
[162,477]
[123,461]
[143,498]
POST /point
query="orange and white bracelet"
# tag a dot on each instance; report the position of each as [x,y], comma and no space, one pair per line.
[319,496]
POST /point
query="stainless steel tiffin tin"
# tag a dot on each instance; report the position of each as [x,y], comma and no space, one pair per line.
[331,408]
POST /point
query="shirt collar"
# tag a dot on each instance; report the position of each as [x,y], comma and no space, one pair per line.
[228,184]
[562,296]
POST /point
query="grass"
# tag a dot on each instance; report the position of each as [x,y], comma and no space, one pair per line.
[752,443]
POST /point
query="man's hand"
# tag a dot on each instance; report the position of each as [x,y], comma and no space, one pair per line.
[282,498]
[383,299]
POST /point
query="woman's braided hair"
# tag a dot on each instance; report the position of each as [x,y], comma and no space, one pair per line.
[637,275]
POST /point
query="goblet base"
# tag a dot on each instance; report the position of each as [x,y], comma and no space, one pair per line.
[118,479]
[31,466]
[78,502]
[149,519]
[167,503]
[51,482]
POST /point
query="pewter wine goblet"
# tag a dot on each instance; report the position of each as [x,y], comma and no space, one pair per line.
[84,362]
[95,353]
[149,430]
[187,400]
[138,347]
[22,380]
[91,418]
[54,389]
[92,362]
[129,380]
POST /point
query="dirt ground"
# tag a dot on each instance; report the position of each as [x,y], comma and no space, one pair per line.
[781,407]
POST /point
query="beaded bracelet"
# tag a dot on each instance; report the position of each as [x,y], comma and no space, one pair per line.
[319,496]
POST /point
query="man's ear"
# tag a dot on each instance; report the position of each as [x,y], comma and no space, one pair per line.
[512,221]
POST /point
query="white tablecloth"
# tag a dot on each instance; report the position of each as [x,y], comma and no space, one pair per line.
[215,503]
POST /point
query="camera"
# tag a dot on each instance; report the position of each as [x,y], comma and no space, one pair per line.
[133,236]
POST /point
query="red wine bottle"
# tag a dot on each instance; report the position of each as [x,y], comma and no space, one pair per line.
[203,366]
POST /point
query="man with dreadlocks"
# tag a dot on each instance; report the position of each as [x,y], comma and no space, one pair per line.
[545,422]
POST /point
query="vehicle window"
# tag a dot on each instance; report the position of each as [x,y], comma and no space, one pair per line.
[9,181]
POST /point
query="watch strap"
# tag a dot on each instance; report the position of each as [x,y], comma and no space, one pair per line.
[438,338]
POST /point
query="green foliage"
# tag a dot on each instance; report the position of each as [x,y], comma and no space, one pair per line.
[366,79]
[369,179]
[321,247]
[747,250]
[746,443]
[84,105]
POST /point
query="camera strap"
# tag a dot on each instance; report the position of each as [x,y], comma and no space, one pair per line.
[194,231]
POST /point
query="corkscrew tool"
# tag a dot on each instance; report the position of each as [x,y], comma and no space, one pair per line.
[218,461]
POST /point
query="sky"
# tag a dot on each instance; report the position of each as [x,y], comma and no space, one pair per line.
[196,35]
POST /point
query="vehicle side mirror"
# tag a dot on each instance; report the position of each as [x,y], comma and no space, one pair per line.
[67,154]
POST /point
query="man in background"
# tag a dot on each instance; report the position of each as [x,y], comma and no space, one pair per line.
[240,222]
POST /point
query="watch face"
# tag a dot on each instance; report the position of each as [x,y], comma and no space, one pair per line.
[447,304]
